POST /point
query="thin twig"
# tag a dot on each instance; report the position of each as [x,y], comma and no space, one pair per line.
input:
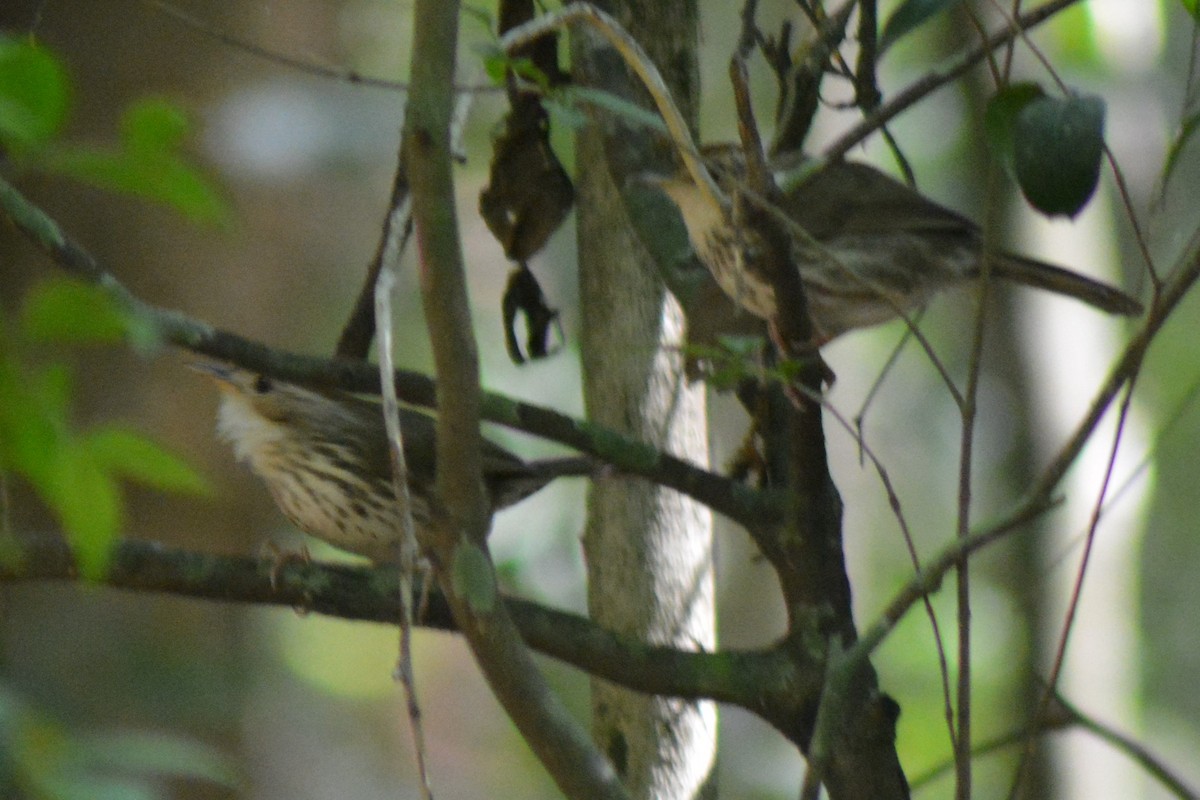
[1060,654]
[1040,497]
[456,542]
[909,543]
[408,535]
[334,73]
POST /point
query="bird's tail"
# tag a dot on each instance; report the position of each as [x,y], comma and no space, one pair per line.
[529,477]
[1041,275]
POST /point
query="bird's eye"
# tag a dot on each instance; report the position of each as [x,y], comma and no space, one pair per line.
[262,384]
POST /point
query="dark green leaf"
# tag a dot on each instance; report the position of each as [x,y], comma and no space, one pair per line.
[1192,7]
[563,116]
[34,94]
[156,754]
[134,457]
[69,311]
[1000,119]
[64,785]
[1058,145]
[1189,128]
[910,15]
[615,104]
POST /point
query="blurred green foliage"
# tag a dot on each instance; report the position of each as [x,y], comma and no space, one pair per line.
[41,759]
[77,473]
[146,162]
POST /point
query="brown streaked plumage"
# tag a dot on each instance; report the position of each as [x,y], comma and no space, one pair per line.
[887,249]
[324,457]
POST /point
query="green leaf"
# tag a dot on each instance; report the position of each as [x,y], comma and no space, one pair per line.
[472,577]
[152,126]
[910,15]
[563,116]
[1000,118]
[1058,144]
[495,62]
[156,176]
[481,16]
[32,422]
[87,500]
[147,165]
[1192,7]
[1186,131]
[155,754]
[615,104]
[132,456]
[34,94]
[73,312]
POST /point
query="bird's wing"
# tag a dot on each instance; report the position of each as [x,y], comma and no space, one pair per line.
[849,198]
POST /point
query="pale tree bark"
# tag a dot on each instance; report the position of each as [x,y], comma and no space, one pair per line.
[648,549]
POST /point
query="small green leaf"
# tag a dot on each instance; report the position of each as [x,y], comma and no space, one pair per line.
[472,577]
[747,347]
[34,94]
[563,116]
[495,63]
[156,176]
[87,501]
[1192,7]
[73,312]
[152,125]
[615,104]
[134,457]
[1000,119]
[1058,144]
[147,165]
[910,15]
[525,68]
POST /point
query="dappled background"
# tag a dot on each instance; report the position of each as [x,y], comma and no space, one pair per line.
[306,708]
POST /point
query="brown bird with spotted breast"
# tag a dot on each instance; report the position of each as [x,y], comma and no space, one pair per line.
[324,457]
[884,249]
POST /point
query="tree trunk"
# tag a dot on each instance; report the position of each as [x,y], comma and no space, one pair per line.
[648,549]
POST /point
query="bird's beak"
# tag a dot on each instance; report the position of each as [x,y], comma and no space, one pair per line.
[220,373]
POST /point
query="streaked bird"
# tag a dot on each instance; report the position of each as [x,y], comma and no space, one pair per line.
[324,457]
[883,247]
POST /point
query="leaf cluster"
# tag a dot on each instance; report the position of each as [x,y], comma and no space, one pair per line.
[77,473]
[147,160]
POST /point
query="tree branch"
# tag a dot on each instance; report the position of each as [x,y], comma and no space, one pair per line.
[763,681]
[730,498]
[457,541]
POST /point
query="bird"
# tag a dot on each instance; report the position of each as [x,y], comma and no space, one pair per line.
[875,249]
[325,459]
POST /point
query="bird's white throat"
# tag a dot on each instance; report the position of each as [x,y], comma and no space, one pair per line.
[250,433]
